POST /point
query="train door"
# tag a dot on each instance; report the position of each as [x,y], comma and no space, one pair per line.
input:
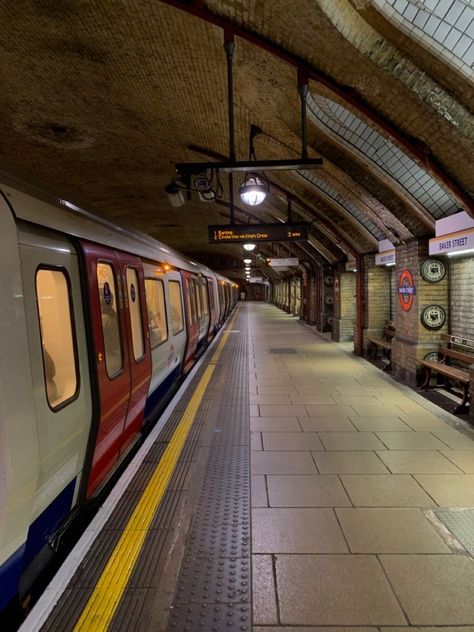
[166,330]
[59,371]
[203,300]
[212,308]
[192,323]
[121,352]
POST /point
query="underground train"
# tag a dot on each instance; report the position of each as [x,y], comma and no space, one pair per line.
[97,325]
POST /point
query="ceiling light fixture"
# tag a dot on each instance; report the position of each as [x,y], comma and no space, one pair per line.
[247,260]
[253,190]
[249,247]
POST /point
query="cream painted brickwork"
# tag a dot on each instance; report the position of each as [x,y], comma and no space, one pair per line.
[462,297]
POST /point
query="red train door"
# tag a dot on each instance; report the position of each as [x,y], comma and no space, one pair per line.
[122,355]
[192,323]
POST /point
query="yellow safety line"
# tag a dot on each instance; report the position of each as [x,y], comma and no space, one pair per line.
[105,599]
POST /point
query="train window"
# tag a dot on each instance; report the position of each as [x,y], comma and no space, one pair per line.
[211,295]
[204,299]
[155,299]
[134,308]
[177,321]
[198,299]
[57,336]
[110,323]
[192,300]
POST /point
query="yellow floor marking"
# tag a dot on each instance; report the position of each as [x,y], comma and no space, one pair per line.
[105,599]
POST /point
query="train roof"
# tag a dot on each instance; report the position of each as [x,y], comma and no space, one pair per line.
[32,204]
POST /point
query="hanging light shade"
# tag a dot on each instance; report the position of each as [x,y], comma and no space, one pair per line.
[247,260]
[253,190]
[248,247]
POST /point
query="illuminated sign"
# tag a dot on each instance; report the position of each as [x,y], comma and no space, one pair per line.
[385,258]
[454,242]
[283,263]
[234,233]
[406,290]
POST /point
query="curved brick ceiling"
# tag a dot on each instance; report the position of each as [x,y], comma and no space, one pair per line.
[100,100]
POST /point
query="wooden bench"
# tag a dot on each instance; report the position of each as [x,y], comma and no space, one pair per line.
[464,354]
[384,343]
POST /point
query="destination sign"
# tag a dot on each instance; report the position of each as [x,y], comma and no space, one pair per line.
[283,262]
[232,233]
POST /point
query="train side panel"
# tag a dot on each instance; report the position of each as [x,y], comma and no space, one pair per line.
[19,450]
[167,332]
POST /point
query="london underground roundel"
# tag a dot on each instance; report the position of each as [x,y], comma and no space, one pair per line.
[406,290]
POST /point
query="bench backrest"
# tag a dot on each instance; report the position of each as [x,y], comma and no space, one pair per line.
[389,330]
[457,348]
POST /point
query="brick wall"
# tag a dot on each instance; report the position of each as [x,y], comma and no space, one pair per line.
[462,297]
[413,340]
[344,306]
[376,301]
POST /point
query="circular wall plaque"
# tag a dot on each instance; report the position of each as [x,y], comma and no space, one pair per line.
[433,317]
[433,356]
[433,270]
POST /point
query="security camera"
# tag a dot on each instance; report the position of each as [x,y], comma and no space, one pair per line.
[175,195]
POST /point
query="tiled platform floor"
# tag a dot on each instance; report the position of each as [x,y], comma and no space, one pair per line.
[347,467]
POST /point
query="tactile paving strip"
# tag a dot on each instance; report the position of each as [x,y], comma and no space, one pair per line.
[140,590]
[213,592]
[461,524]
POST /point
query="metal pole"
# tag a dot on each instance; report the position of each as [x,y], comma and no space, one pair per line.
[229,47]
[303,90]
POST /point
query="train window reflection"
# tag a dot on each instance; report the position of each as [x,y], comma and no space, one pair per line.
[57,336]
[204,299]
[155,300]
[134,308]
[177,321]
[110,323]
[198,299]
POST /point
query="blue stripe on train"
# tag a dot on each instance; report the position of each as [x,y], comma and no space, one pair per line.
[38,534]
[154,399]
[10,572]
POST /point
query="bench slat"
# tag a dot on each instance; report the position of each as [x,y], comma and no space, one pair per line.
[449,371]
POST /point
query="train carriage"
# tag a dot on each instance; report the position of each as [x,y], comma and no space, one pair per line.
[96,325]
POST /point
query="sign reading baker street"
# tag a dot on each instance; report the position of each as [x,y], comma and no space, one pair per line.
[406,290]
[235,233]
[454,242]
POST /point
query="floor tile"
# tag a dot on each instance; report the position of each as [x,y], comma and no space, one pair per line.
[319,400]
[281,389]
[417,462]
[274,424]
[291,441]
[381,530]
[320,490]
[410,441]
[294,410]
[297,628]
[433,589]
[425,422]
[449,490]
[264,591]
[335,590]
[296,530]
[259,491]
[282,463]
[376,410]
[270,399]
[329,424]
[255,441]
[331,462]
[384,490]
[336,410]
[254,411]
[372,424]
[350,441]
[454,439]
[464,459]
